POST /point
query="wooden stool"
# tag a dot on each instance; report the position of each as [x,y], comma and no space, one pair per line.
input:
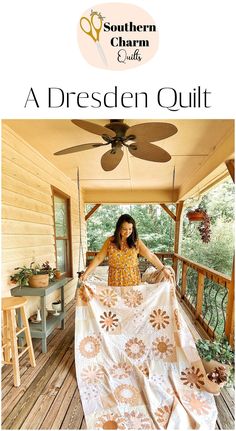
[10,346]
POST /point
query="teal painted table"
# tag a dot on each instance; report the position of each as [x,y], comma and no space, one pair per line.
[46,326]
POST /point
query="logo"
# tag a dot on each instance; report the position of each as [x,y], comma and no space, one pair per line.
[117,36]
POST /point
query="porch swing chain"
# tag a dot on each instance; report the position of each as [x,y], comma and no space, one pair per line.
[172,197]
[79,272]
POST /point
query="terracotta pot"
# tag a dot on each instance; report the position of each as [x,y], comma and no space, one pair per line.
[57,274]
[39,280]
[196,216]
[210,365]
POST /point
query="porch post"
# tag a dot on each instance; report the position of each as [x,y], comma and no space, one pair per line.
[229,324]
[178,231]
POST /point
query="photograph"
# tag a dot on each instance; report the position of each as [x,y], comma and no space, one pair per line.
[117,238]
[118,273]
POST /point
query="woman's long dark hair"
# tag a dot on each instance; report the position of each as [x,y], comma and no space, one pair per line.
[132,239]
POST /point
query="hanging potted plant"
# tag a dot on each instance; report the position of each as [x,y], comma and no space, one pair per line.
[197,214]
[205,229]
[200,215]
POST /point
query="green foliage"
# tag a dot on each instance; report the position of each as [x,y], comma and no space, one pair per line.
[218,253]
[46,268]
[219,202]
[22,276]
[218,350]
[154,226]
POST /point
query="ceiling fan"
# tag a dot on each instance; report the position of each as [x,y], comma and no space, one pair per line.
[118,134]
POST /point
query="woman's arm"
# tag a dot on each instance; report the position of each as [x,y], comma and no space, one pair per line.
[99,258]
[151,257]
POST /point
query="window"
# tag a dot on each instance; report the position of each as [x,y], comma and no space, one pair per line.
[61,205]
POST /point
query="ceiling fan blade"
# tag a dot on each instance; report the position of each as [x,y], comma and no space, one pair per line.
[94,128]
[111,159]
[150,152]
[77,148]
[151,132]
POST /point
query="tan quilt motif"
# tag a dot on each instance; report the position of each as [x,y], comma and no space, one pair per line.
[136,361]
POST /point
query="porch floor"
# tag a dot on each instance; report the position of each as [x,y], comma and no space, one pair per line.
[48,397]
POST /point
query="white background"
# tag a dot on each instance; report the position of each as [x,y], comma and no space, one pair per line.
[40,50]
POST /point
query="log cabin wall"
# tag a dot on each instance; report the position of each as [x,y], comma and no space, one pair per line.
[27,213]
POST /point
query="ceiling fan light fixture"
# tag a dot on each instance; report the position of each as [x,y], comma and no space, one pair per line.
[119,127]
[130,138]
[133,146]
[106,138]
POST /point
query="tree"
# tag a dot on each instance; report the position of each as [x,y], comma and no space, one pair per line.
[154,226]
[218,253]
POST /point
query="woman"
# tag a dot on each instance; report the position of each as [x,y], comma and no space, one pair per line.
[122,250]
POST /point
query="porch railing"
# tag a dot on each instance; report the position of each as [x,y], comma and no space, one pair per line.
[207,294]
[166,258]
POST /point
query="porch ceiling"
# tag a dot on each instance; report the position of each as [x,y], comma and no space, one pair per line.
[198,151]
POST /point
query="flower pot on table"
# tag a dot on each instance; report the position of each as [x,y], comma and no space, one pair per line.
[57,274]
[39,280]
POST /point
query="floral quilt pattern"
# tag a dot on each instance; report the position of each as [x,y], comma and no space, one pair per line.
[136,362]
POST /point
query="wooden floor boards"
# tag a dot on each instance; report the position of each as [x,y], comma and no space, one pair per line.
[48,397]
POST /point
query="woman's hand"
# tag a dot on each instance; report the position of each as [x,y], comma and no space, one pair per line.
[83,277]
[166,274]
[151,257]
[100,256]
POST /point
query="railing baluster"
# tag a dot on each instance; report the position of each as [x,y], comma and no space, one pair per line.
[229,325]
[200,290]
[222,312]
[215,308]
[223,307]
[208,305]
[184,280]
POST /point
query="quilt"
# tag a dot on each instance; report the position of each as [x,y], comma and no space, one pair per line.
[136,362]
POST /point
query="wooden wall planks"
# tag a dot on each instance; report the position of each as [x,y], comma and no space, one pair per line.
[27,211]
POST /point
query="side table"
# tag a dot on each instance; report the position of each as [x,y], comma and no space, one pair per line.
[46,326]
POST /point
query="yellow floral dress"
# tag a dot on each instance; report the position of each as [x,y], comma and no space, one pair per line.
[123,266]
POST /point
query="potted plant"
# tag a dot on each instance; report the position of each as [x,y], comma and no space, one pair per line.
[34,276]
[21,276]
[197,214]
[57,273]
[47,269]
[39,276]
[218,359]
[200,215]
